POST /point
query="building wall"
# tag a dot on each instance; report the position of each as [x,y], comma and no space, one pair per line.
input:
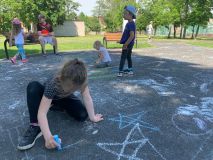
[70,29]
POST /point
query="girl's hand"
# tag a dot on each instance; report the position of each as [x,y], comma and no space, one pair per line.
[124,47]
[50,143]
[97,118]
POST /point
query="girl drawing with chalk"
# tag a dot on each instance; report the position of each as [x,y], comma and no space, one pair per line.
[58,91]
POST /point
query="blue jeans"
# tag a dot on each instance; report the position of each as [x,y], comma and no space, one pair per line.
[21,50]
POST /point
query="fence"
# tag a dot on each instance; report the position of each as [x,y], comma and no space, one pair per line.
[204,31]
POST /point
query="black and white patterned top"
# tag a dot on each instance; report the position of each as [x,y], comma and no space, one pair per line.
[52,92]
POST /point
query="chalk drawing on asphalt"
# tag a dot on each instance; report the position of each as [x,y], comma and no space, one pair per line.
[139,143]
[129,120]
[161,88]
[202,147]
[195,120]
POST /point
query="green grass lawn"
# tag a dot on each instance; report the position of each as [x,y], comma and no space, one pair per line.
[68,44]
[201,42]
[86,43]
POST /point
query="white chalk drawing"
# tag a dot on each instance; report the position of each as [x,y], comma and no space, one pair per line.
[25,113]
[130,139]
[132,119]
[200,123]
[11,71]
[191,96]
[71,145]
[37,157]
[161,69]
[6,78]
[92,72]
[24,69]
[201,148]
[11,140]
[89,126]
[100,97]
[14,105]
[204,76]
[204,88]
[95,132]
[161,88]
[206,79]
[195,120]
[127,88]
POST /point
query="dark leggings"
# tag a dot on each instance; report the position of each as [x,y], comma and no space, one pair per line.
[126,54]
[72,105]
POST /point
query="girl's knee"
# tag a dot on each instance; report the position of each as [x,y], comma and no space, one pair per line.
[33,87]
[82,116]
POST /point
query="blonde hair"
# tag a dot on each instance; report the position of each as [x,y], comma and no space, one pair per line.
[16,29]
[97,44]
[71,77]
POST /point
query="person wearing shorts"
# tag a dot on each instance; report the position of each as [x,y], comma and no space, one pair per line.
[46,34]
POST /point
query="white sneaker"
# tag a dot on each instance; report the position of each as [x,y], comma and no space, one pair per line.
[120,74]
[130,73]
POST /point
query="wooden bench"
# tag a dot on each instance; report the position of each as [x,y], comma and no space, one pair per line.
[30,39]
[113,37]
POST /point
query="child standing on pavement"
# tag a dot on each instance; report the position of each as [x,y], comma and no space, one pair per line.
[18,34]
[149,30]
[127,40]
[57,93]
[104,59]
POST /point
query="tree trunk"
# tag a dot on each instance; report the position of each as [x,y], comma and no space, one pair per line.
[197,31]
[186,11]
[170,30]
[174,31]
[184,32]
[181,31]
[193,31]
[155,31]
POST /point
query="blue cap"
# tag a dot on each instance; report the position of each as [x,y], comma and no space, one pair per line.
[132,10]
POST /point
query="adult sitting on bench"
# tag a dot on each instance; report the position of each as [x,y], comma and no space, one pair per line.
[46,34]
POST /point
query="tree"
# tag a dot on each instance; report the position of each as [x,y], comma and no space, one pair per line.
[144,15]
[112,11]
[56,11]
[183,13]
[117,13]
[101,8]
[70,9]
[6,6]
[94,25]
[200,14]
[91,23]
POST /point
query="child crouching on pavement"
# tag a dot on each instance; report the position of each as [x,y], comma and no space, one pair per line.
[104,59]
[57,92]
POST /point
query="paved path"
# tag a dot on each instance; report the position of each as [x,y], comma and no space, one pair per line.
[163,112]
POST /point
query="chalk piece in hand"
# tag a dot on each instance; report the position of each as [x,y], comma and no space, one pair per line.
[56,138]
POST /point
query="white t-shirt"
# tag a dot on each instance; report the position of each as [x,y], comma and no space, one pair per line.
[149,29]
[19,38]
[106,56]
